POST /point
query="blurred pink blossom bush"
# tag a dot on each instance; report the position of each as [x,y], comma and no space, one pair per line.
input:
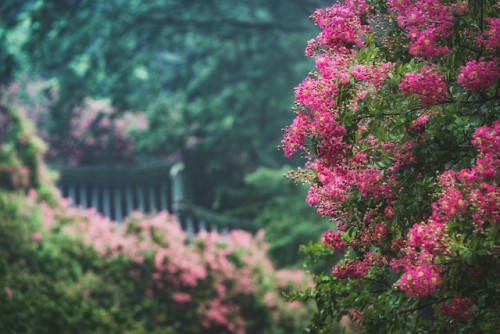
[226,282]
[96,132]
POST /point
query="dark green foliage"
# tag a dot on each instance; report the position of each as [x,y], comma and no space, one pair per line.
[42,279]
[21,165]
[280,209]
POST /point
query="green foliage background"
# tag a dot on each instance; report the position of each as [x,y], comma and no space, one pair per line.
[214,79]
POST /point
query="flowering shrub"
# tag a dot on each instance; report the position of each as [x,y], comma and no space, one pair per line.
[399,127]
[220,284]
[64,269]
[97,132]
[143,269]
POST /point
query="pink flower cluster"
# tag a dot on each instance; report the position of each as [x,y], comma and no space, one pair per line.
[354,174]
[404,156]
[450,206]
[484,203]
[328,197]
[420,281]
[421,276]
[294,139]
[334,241]
[487,165]
[459,308]
[318,95]
[479,75]
[338,175]
[356,316]
[428,23]
[371,183]
[36,237]
[8,291]
[487,140]
[429,239]
[313,94]
[369,235]
[418,125]
[341,25]
[493,33]
[374,74]
[491,39]
[332,149]
[429,86]
[351,269]
[215,315]
[356,268]
[464,194]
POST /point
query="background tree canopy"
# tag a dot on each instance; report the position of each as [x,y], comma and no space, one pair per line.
[213,77]
[214,80]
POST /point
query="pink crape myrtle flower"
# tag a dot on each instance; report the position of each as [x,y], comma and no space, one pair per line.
[351,269]
[420,281]
[476,76]
[459,308]
[463,194]
[428,85]
[36,237]
[334,241]
[182,298]
[356,316]
[294,139]
[491,39]
[428,23]
[341,24]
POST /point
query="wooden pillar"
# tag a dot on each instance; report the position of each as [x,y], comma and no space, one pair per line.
[118,203]
[177,186]
[83,196]
[202,225]
[140,198]
[106,205]
[152,199]
[213,227]
[72,193]
[94,194]
[129,199]
[163,197]
[189,228]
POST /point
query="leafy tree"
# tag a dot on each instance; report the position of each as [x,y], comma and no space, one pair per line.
[400,126]
[10,11]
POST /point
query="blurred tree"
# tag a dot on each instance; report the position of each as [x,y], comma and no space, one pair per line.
[10,12]
[277,205]
[214,77]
